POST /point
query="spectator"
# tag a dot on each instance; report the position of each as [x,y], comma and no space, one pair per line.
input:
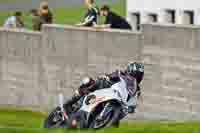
[91,16]
[113,20]
[36,20]
[14,21]
[45,13]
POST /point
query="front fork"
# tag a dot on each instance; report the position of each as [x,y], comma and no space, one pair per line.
[105,111]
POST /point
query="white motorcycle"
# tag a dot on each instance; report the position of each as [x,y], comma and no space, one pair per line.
[102,108]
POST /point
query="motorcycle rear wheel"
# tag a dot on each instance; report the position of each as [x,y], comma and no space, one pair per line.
[50,121]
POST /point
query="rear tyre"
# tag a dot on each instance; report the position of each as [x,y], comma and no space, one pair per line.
[54,120]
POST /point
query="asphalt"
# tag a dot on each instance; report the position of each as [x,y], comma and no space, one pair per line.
[24,5]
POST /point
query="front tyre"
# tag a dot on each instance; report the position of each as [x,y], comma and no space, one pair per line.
[110,120]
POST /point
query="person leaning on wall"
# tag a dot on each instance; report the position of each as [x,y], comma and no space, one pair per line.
[113,20]
[45,13]
[91,16]
[14,21]
[36,20]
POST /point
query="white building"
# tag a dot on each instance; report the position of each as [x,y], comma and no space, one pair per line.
[163,11]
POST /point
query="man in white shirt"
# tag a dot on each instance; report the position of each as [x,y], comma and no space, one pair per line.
[14,21]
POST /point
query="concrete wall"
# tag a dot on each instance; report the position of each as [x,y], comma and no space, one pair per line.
[36,67]
[171,55]
[19,66]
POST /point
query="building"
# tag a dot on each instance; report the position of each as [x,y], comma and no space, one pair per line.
[163,11]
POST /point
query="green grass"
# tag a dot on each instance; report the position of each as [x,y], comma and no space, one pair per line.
[20,118]
[20,121]
[10,1]
[142,128]
[68,15]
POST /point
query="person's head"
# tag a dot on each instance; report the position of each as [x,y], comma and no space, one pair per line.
[44,5]
[18,15]
[34,12]
[105,9]
[136,70]
[89,3]
[44,8]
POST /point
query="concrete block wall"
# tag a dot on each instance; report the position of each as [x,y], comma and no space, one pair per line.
[36,67]
[171,56]
[20,57]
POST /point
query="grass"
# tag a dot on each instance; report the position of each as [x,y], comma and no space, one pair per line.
[10,1]
[20,121]
[20,118]
[68,15]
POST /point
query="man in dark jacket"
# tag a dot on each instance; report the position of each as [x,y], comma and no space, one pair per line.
[113,20]
[91,16]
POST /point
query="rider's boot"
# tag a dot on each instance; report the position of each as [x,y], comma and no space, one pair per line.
[132,103]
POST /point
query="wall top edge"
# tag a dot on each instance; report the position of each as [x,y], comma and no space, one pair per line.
[25,31]
[68,27]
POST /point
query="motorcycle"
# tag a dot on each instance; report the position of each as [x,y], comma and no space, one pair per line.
[99,109]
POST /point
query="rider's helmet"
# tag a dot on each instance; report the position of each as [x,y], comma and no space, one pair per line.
[86,84]
[136,70]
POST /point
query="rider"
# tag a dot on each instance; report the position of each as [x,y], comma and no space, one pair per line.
[133,75]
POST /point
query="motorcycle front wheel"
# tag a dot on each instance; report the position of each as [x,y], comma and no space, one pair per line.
[111,119]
